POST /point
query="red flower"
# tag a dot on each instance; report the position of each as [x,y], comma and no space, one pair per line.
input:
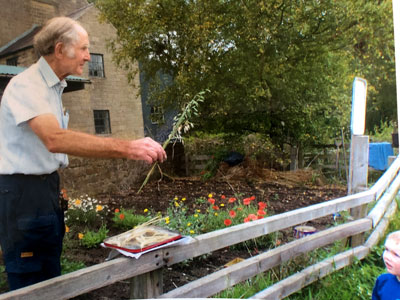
[117,210]
[261,212]
[227,222]
[260,217]
[231,200]
[247,219]
[223,197]
[232,213]
[215,207]
[252,197]
[246,201]
[262,205]
[211,200]
[122,216]
[252,217]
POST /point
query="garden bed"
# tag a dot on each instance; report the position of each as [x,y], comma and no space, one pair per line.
[282,191]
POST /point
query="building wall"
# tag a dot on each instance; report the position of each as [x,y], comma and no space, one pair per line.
[17,16]
[112,93]
[25,58]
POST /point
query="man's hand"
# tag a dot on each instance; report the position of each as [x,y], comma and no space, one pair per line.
[148,150]
[58,140]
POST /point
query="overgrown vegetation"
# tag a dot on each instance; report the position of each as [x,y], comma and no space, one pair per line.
[281,67]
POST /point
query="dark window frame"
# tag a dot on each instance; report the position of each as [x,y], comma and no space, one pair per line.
[102,121]
[96,65]
[12,61]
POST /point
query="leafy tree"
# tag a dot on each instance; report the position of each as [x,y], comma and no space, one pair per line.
[282,67]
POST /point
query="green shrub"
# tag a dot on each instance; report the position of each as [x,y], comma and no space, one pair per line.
[92,239]
[126,219]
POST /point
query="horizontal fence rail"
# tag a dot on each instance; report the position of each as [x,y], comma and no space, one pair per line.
[94,277]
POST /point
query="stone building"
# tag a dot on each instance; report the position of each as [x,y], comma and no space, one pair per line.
[100,102]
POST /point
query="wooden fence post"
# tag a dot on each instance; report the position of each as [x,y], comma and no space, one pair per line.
[358,179]
[148,285]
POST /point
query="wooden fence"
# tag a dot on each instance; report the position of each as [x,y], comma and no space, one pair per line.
[145,272]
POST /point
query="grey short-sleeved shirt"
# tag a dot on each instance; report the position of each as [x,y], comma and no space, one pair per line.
[35,91]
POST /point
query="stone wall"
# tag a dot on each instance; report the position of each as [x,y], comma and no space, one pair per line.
[97,176]
[17,16]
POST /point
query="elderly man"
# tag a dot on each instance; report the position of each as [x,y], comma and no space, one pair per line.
[34,143]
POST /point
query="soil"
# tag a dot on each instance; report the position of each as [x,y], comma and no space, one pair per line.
[282,191]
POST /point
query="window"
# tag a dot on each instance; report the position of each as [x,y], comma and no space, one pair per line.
[102,121]
[13,61]
[156,115]
[96,65]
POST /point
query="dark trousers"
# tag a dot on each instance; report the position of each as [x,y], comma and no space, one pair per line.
[31,228]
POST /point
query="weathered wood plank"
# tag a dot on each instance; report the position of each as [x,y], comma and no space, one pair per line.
[148,285]
[385,180]
[380,229]
[295,282]
[225,278]
[380,207]
[88,279]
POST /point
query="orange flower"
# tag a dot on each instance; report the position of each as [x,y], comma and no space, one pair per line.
[240,208]
[215,207]
[278,242]
[227,222]
[262,205]
[116,210]
[252,198]
[252,217]
[246,201]
[66,229]
[232,213]
[223,197]
[80,236]
[211,200]
[261,212]
[231,200]
[122,216]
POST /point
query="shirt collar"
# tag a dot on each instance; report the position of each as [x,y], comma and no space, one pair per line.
[48,74]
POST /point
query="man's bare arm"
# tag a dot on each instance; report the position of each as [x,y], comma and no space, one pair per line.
[58,140]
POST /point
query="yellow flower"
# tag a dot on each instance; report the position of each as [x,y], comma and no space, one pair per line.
[176,198]
[198,210]
[78,202]
[183,199]
[66,228]
[188,224]
[167,220]
[209,195]
[196,215]
[176,204]
[80,235]
[145,210]
[99,207]
[216,214]
[222,205]
[191,231]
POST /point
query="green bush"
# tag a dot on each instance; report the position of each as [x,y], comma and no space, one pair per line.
[126,219]
[92,239]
